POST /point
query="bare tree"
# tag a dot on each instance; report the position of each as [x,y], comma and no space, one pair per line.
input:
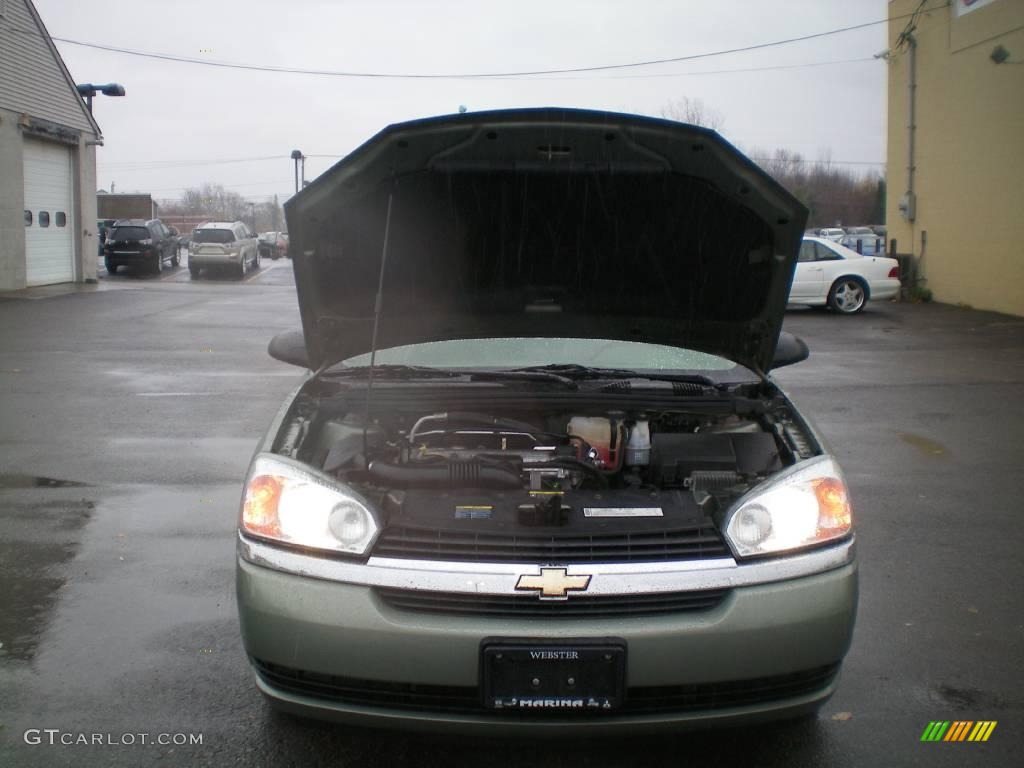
[212,202]
[269,216]
[209,200]
[832,194]
[693,111]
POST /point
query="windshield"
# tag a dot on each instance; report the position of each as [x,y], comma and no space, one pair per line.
[129,233]
[213,236]
[522,352]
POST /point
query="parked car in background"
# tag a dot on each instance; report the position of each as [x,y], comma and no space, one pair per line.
[832,233]
[140,242]
[223,244]
[829,274]
[863,240]
[273,245]
[878,229]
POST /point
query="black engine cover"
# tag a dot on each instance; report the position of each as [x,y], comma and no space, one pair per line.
[582,511]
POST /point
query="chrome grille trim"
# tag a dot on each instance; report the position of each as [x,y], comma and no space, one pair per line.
[501,578]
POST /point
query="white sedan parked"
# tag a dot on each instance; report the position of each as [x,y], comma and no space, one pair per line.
[830,274]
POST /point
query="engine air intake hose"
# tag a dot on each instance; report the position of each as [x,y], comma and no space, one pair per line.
[451,474]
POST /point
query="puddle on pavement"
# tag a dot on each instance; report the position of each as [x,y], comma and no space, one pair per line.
[8,480]
[923,444]
[38,538]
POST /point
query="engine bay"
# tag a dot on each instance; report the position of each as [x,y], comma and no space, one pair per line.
[509,469]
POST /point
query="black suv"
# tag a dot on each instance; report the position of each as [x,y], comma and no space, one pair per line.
[135,241]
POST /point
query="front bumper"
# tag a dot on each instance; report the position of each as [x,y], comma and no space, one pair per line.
[338,651]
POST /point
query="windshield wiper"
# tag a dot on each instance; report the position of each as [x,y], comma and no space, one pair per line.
[576,371]
[525,374]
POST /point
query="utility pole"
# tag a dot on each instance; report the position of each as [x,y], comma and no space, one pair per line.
[273,216]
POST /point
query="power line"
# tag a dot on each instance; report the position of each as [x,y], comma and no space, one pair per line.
[731,71]
[469,76]
[156,165]
[763,159]
[226,186]
[908,30]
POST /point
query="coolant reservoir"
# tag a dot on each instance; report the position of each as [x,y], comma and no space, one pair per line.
[638,448]
[597,431]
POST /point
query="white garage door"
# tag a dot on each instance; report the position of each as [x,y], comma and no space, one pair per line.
[49,229]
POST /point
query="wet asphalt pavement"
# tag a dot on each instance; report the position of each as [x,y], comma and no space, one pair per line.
[128,415]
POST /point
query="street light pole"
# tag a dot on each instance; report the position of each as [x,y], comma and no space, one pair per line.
[297,156]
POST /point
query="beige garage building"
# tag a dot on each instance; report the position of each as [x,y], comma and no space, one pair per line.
[956,147]
[47,160]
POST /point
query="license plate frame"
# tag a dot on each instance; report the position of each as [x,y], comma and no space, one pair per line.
[553,676]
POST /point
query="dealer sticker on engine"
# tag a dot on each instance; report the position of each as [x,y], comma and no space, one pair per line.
[622,512]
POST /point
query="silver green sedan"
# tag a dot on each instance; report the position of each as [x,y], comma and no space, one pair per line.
[538,476]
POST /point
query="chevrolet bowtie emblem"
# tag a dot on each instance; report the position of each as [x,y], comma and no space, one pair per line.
[553,583]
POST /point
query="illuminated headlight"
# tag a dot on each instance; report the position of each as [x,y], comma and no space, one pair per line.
[803,507]
[293,504]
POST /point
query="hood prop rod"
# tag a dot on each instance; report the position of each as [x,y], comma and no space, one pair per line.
[377,307]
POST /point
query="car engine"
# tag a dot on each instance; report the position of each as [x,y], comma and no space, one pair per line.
[617,469]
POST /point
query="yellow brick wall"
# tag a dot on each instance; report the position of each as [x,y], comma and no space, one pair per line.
[969,153]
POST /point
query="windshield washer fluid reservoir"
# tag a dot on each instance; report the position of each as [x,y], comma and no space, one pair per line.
[638,447]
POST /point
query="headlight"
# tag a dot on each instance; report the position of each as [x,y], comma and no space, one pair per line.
[803,507]
[293,504]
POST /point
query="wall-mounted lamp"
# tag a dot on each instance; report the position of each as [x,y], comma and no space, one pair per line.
[999,54]
[88,90]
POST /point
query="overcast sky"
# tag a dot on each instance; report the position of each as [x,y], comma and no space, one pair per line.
[179,119]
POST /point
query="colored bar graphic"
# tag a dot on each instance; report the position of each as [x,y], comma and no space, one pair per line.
[935,730]
[958,730]
[982,730]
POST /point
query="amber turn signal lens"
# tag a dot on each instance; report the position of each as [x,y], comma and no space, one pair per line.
[259,510]
[833,505]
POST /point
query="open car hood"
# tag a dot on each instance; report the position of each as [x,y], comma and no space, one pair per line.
[544,223]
